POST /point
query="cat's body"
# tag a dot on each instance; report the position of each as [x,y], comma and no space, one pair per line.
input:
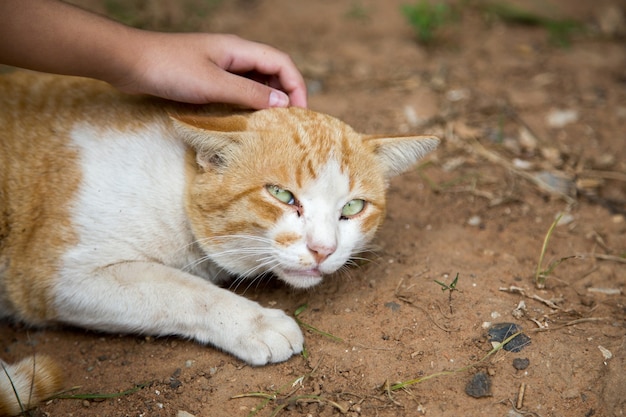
[117,217]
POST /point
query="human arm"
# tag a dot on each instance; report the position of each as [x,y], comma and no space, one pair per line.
[52,36]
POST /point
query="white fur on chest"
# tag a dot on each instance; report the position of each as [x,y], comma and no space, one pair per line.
[130,205]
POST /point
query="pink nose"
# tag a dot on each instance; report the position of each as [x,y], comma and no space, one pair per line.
[321,252]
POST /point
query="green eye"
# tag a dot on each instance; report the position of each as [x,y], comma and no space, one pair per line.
[281,195]
[352,208]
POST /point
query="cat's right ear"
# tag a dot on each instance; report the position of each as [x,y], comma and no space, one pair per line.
[212,138]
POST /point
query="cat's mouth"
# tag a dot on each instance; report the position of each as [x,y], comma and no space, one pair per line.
[301,278]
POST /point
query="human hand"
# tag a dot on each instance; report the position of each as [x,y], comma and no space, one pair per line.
[202,68]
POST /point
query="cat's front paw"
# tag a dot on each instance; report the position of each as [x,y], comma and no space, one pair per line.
[273,337]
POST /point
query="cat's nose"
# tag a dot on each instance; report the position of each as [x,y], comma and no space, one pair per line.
[321,252]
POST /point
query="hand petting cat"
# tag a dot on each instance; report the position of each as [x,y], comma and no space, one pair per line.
[200,68]
[52,36]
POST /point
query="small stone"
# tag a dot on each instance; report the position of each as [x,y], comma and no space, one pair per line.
[499,332]
[86,404]
[393,306]
[561,118]
[479,386]
[522,164]
[566,218]
[474,221]
[182,413]
[521,363]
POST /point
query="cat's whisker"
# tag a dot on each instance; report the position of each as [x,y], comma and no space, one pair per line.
[250,273]
[227,238]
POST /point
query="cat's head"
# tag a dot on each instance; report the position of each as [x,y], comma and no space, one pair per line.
[290,191]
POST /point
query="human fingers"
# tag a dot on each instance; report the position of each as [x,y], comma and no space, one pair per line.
[235,89]
[244,56]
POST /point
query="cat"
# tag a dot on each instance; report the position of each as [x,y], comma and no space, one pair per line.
[124,213]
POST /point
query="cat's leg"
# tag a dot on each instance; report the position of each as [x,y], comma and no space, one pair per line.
[151,298]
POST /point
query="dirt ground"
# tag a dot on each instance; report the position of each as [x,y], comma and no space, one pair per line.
[514,110]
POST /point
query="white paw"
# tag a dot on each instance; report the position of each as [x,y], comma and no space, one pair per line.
[272,336]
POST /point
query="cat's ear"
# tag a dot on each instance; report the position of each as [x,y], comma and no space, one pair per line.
[399,153]
[213,138]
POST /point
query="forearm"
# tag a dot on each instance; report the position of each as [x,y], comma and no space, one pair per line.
[51,36]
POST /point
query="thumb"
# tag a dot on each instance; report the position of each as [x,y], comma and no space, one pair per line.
[249,93]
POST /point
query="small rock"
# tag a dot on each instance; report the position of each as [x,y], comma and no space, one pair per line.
[457,95]
[393,306]
[182,413]
[499,332]
[474,221]
[521,363]
[522,164]
[479,386]
[560,118]
[566,218]
[513,413]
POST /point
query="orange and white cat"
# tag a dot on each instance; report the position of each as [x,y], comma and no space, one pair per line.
[123,214]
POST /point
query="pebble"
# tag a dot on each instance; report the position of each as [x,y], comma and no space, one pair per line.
[474,221]
[521,363]
[479,386]
[561,118]
[499,332]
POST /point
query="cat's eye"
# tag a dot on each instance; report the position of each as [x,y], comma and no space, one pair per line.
[281,194]
[352,208]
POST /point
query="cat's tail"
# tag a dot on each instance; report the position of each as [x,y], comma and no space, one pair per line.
[25,384]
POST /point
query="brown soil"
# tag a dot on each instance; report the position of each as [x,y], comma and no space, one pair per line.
[486,87]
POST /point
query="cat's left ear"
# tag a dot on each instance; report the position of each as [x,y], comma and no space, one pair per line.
[213,138]
[399,153]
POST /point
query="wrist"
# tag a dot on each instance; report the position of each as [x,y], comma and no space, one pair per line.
[122,58]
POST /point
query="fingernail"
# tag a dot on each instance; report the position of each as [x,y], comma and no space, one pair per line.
[278,99]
